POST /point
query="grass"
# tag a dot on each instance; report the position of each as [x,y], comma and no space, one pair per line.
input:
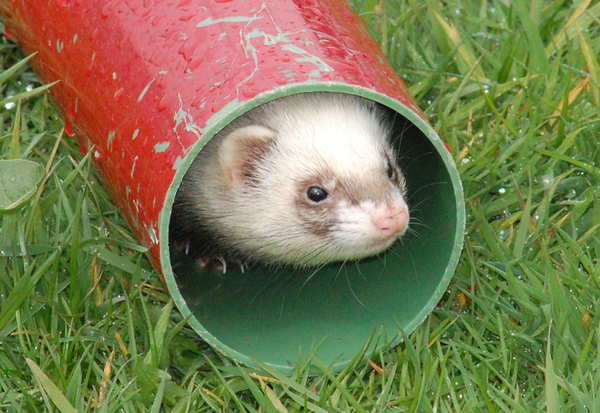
[513,88]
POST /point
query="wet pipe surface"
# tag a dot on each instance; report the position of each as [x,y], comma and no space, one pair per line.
[142,81]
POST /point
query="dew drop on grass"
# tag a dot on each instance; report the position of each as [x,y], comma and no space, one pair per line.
[501,190]
[503,234]
[547,179]
[9,105]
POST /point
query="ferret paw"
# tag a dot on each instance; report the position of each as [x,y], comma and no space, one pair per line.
[214,263]
[218,263]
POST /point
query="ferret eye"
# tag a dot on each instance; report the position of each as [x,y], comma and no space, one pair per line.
[316,193]
[390,171]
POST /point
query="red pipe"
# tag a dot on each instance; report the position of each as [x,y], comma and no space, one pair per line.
[140,79]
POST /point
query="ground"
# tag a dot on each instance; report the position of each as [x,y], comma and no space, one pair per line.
[514,90]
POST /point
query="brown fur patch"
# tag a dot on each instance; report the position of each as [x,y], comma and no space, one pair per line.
[317,218]
[254,152]
[320,218]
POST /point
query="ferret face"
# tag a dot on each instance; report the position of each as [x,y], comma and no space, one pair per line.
[320,185]
[304,180]
[353,214]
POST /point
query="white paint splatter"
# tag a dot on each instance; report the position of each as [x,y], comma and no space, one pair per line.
[145,90]
[110,137]
[289,74]
[270,39]
[161,147]
[231,19]
[310,58]
[182,116]
[133,166]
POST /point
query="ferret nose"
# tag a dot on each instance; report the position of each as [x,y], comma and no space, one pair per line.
[391,220]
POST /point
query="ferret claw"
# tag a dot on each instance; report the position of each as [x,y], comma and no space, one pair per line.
[216,263]
[219,263]
[223,264]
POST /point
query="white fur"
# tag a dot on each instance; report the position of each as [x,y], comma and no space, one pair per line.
[314,131]
[358,235]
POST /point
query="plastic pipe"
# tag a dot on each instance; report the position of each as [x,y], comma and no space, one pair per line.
[147,83]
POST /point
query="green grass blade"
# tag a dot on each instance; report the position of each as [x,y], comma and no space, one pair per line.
[26,95]
[57,397]
[538,57]
[551,385]
[465,54]
[11,71]
[158,399]
[22,289]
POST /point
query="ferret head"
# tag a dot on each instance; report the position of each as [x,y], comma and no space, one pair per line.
[319,184]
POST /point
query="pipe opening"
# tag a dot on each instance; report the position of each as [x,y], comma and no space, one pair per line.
[279,316]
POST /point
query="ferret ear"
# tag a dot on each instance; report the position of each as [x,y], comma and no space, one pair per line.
[240,151]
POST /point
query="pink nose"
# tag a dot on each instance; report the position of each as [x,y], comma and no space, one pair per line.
[391,220]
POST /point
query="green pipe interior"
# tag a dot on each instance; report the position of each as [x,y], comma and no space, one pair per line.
[278,318]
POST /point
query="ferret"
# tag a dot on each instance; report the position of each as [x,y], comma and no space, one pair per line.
[304,180]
